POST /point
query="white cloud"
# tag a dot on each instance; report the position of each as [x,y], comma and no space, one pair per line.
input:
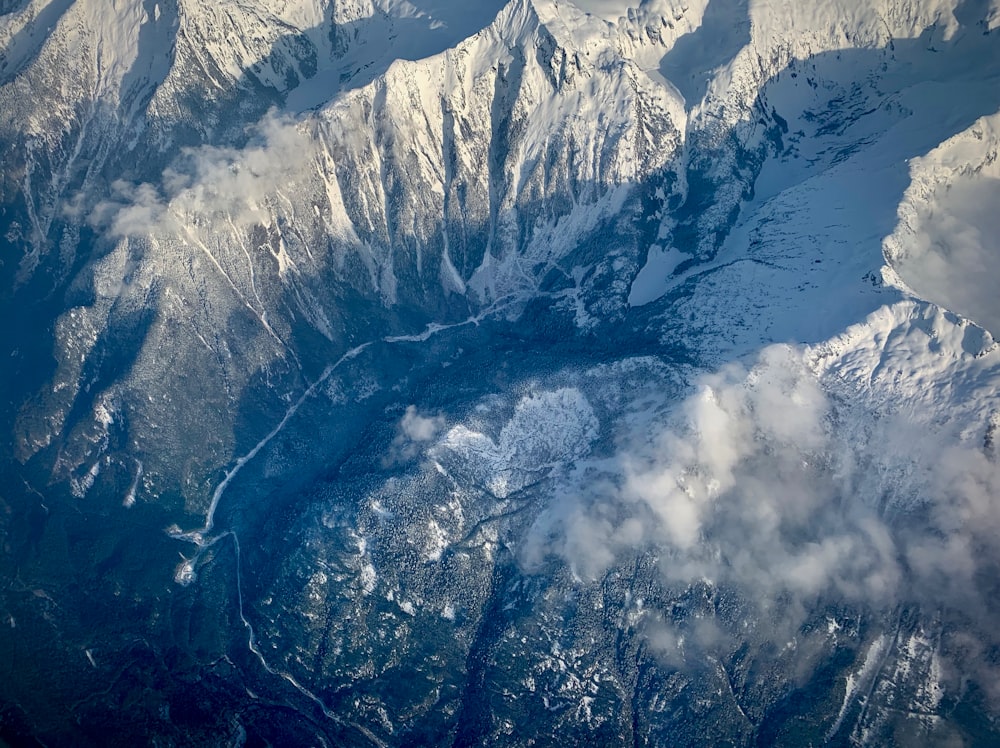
[414,433]
[210,181]
[418,428]
[945,245]
[762,485]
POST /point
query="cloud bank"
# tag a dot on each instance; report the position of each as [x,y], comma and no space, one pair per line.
[762,485]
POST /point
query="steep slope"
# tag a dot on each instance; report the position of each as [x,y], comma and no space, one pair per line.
[317,220]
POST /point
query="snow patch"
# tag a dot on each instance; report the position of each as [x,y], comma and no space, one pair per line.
[546,430]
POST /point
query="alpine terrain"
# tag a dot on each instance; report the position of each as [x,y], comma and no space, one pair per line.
[527,373]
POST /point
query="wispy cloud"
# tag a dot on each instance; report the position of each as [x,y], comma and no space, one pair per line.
[210,181]
[413,433]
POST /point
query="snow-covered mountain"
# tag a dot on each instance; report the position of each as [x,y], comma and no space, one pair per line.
[513,374]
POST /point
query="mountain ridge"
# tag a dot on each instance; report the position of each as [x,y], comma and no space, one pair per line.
[566,380]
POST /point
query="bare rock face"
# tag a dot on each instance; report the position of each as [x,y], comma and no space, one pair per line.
[397,372]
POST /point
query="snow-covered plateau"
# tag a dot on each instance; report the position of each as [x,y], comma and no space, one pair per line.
[542,372]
